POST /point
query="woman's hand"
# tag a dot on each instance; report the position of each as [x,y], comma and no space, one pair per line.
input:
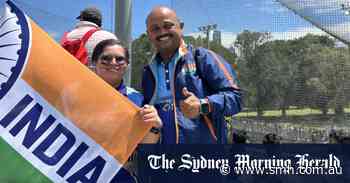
[150,115]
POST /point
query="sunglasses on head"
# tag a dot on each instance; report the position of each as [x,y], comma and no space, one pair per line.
[107,59]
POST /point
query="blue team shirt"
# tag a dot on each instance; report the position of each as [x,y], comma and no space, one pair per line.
[165,74]
[133,95]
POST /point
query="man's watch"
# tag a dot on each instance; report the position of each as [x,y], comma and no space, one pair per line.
[204,106]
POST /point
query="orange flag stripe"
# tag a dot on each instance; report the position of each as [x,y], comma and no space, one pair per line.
[91,104]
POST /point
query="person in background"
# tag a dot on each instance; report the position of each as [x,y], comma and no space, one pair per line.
[338,138]
[89,22]
[271,138]
[239,137]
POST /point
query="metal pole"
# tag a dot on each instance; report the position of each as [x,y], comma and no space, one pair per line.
[123,11]
[208,43]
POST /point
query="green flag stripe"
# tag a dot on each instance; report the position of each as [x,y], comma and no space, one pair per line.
[14,168]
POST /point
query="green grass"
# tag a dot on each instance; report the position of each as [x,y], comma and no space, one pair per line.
[290,112]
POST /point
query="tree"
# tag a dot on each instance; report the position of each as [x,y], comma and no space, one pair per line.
[141,54]
[304,54]
[191,40]
[319,95]
[281,74]
[332,77]
[251,65]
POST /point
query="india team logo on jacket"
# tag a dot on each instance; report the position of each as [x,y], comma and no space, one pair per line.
[54,125]
[189,68]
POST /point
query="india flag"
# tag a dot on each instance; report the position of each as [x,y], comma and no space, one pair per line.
[59,122]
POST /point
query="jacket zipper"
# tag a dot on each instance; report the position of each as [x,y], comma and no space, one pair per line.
[172,87]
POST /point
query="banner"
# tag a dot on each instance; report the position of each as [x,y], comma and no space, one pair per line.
[244,163]
[59,122]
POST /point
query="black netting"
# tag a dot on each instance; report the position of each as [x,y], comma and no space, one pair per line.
[292,60]
[332,16]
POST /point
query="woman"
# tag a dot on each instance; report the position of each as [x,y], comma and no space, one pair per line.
[111,60]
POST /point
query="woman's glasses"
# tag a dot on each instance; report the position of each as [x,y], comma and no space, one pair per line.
[107,59]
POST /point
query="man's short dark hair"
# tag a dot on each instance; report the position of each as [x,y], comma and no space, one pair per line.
[91,14]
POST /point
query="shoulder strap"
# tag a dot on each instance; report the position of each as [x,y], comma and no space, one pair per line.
[64,38]
[87,35]
[82,51]
[196,60]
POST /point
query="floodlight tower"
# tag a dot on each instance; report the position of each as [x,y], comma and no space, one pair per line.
[207,29]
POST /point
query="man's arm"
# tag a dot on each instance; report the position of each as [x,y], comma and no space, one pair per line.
[226,97]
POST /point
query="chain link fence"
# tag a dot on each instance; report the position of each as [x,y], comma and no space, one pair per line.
[292,58]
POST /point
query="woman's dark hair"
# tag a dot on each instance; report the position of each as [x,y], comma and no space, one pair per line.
[105,43]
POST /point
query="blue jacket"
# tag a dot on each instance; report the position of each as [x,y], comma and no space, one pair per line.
[132,94]
[208,76]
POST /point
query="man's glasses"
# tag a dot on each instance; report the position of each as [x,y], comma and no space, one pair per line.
[107,59]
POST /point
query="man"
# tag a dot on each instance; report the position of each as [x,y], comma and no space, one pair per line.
[192,93]
[90,18]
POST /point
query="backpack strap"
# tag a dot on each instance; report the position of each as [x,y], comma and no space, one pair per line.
[87,35]
[195,58]
[83,41]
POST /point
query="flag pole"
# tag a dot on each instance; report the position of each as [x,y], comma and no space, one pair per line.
[123,12]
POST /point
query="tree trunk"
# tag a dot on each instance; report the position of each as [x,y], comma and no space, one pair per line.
[260,113]
[339,110]
[284,112]
[324,111]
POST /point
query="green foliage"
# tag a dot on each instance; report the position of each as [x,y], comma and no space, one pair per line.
[306,72]
[253,66]
[216,47]
[329,83]
[141,54]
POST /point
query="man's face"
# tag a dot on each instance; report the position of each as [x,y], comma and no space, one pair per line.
[164,31]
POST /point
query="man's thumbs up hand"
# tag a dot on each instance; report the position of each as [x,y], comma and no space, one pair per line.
[190,107]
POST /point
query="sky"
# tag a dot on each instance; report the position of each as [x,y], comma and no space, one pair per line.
[59,16]
[231,16]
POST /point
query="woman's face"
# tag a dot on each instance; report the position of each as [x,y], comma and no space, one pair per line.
[112,64]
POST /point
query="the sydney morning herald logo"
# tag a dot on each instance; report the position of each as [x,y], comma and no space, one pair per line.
[244,164]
